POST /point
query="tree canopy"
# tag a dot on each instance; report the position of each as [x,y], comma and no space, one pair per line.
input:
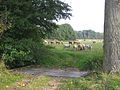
[28,16]
[64,32]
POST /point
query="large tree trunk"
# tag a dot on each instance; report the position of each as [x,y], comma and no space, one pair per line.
[112,36]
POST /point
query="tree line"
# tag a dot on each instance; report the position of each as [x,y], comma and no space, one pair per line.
[66,32]
[89,34]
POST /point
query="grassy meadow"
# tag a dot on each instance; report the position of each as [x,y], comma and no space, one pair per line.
[58,57]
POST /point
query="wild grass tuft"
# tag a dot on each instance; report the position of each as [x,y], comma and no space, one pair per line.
[7,78]
[96,81]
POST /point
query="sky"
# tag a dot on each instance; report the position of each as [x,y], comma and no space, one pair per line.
[87,14]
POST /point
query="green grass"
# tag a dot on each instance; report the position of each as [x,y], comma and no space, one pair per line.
[99,81]
[7,78]
[95,81]
[37,83]
[59,57]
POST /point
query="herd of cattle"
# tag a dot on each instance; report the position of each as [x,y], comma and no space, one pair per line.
[76,45]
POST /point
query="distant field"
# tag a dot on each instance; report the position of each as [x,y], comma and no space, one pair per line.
[58,57]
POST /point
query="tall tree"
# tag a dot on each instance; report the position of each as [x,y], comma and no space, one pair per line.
[112,36]
[30,16]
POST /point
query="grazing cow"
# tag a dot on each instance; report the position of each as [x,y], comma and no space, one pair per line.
[88,46]
[80,47]
[75,46]
[66,45]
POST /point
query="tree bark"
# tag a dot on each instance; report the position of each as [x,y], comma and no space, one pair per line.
[112,36]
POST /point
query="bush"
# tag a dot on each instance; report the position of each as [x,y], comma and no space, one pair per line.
[21,53]
[16,58]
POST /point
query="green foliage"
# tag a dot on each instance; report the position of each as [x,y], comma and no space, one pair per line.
[29,21]
[17,59]
[28,17]
[64,32]
[94,63]
[22,53]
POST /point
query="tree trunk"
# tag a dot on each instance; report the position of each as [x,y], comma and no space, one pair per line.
[112,36]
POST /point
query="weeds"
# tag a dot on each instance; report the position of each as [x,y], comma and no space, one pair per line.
[7,78]
[96,81]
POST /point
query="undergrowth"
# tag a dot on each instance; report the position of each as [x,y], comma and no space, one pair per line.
[7,78]
[96,81]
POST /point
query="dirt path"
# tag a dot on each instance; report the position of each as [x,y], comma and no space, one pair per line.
[52,84]
[68,72]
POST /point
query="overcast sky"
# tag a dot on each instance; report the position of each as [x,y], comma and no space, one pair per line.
[87,14]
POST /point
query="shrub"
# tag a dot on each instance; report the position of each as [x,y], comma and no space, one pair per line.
[21,53]
[16,58]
